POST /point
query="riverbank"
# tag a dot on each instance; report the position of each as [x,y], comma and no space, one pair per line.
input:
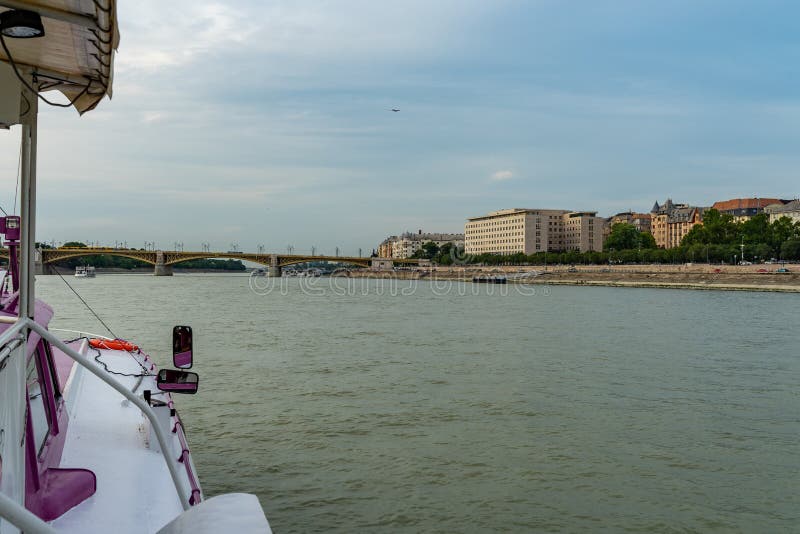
[148,270]
[700,277]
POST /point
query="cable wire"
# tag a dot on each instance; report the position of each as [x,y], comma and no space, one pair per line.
[30,88]
[87,305]
[105,325]
[105,366]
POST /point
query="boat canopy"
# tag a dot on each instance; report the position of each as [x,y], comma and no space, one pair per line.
[76,54]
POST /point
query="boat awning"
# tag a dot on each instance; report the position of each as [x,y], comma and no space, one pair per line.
[76,54]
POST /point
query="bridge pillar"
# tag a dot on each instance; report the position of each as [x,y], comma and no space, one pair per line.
[382,264]
[274,268]
[162,269]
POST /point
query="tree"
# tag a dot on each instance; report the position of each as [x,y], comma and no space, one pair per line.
[647,240]
[720,227]
[622,236]
[782,230]
[790,250]
[74,244]
[698,235]
[756,229]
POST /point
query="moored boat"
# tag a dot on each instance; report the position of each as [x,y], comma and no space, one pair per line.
[485,279]
[84,271]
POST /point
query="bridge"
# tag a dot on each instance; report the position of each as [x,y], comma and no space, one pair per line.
[163,260]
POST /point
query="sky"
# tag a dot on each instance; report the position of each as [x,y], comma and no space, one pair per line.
[269,123]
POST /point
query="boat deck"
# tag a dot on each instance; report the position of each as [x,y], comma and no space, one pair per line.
[109,435]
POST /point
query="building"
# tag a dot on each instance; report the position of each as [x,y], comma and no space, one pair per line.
[583,231]
[406,244]
[744,208]
[790,209]
[670,222]
[641,221]
[385,248]
[528,231]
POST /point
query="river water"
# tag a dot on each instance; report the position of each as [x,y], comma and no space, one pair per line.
[411,406]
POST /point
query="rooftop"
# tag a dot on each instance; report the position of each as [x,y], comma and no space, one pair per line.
[746,203]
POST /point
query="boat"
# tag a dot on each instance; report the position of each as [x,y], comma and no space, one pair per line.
[485,279]
[84,271]
[91,438]
[261,271]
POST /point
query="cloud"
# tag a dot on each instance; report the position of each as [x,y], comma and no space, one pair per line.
[501,176]
[153,116]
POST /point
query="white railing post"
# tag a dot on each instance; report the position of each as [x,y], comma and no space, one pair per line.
[21,518]
[12,424]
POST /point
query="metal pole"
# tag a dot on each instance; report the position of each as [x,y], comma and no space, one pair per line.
[28,207]
[21,518]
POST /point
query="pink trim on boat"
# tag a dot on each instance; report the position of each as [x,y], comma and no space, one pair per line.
[182,359]
[64,365]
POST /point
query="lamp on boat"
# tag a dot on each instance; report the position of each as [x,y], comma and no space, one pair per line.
[21,24]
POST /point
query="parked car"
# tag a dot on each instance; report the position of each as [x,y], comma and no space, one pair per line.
[762,271]
[782,270]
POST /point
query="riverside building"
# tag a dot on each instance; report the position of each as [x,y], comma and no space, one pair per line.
[528,231]
[790,209]
[671,222]
[406,244]
[641,221]
[743,209]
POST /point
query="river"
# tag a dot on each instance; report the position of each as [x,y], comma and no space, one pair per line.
[412,406]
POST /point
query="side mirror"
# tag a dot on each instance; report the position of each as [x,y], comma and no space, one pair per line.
[177,381]
[182,347]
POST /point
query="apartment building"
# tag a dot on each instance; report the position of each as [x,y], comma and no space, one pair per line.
[790,209]
[583,231]
[641,221]
[385,248]
[670,222]
[529,231]
[744,208]
[406,244]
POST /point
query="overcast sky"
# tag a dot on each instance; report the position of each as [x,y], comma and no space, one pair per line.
[269,122]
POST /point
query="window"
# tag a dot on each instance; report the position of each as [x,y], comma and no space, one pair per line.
[39,419]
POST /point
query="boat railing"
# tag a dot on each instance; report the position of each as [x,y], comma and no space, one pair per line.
[12,511]
[80,333]
[185,457]
[18,514]
[172,464]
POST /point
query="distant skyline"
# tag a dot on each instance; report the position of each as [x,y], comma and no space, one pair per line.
[270,122]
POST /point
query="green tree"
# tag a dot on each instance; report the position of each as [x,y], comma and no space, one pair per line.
[756,229]
[647,240]
[623,236]
[720,227]
[781,231]
[790,250]
[698,235]
[74,244]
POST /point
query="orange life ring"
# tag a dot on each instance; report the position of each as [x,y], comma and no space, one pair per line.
[113,344]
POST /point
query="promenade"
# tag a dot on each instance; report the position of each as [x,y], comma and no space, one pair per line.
[684,276]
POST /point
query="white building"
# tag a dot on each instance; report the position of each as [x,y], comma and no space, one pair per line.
[790,210]
[529,231]
[405,245]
